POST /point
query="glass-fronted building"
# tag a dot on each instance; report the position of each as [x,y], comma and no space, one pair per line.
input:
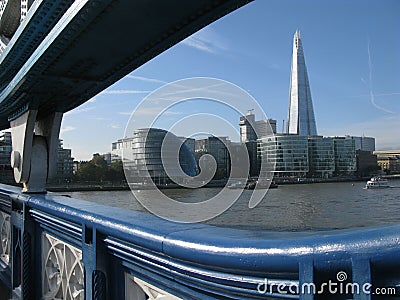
[65,162]
[289,153]
[364,143]
[251,130]
[301,119]
[312,156]
[149,151]
[321,156]
[345,156]
[218,148]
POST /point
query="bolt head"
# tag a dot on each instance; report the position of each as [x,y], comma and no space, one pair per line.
[15,159]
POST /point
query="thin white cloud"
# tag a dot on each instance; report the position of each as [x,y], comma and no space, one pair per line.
[125,113]
[122,92]
[80,110]
[377,94]
[199,44]
[115,126]
[67,128]
[150,111]
[207,40]
[146,79]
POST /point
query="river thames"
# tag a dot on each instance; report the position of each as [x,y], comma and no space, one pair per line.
[298,207]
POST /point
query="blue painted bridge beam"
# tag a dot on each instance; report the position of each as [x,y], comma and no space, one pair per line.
[65,52]
[76,49]
[121,249]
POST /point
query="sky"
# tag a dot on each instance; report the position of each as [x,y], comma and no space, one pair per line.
[352,53]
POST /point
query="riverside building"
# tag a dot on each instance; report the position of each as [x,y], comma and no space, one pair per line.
[65,162]
[345,156]
[218,148]
[251,130]
[321,156]
[289,153]
[309,156]
[144,156]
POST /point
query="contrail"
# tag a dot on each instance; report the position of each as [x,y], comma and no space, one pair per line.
[370,83]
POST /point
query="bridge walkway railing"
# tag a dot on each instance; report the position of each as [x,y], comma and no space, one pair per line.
[54,246]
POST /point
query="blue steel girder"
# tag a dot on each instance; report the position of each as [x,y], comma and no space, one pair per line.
[94,44]
[43,15]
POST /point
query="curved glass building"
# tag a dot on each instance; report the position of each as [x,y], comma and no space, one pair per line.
[151,150]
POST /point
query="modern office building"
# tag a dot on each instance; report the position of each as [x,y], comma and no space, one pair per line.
[189,142]
[311,156]
[345,156]
[301,119]
[146,154]
[367,163]
[251,130]
[6,172]
[264,127]
[364,143]
[321,156]
[218,148]
[65,162]
[118,147]
[288,152]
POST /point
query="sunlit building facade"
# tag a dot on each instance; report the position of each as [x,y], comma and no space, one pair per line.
[147,152]
[389,161]
[345,156]
[65,162]
[289,153]
[311,156]
[251,130]
[301,119]
[321,156]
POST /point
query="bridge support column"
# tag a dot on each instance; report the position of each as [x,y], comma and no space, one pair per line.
[34,154]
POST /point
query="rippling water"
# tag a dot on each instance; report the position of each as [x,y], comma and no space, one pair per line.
[300,207]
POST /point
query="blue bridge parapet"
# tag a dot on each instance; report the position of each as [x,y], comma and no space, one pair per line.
[59,247]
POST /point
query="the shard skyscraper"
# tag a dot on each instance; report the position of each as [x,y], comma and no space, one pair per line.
[301,119]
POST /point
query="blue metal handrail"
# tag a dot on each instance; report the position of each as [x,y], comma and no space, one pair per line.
[197,261]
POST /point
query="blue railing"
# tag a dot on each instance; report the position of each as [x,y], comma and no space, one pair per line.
[60,246]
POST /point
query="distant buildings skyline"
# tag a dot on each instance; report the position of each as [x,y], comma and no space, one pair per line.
[298,152]
[251,130]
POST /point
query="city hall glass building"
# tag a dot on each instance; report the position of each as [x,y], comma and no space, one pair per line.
[145,156]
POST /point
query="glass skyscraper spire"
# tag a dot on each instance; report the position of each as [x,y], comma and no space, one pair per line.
[301,119]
